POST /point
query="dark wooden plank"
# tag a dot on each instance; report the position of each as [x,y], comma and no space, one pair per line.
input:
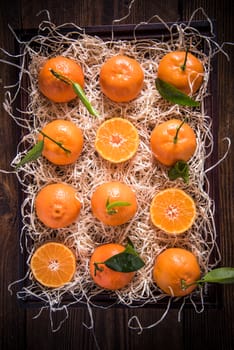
[11,316]
[216,327]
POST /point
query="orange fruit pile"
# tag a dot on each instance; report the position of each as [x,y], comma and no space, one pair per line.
[68,135]
[105,277]
[173,211]
[175,267]
[121,78]
[53,264]
[117,140]
[57,205]
[55,89]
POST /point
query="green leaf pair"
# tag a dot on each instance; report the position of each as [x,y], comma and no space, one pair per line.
[179,170]
[127,261]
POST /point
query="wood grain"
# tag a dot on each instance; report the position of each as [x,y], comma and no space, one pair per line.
[212,329]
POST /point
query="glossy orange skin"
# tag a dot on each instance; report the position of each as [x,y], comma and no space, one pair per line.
[108,278]
[53,264]
[121,78]
[174,265]
[169,70]
[57,205]
[55,89]
[114,191]
[69,135]
[162,142]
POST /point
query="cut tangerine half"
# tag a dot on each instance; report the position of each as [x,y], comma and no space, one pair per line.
[53,264]
[117,140]
[173,211]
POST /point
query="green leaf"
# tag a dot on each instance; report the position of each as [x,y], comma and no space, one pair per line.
[110,206]
[172,94]
[125,262]
[223,275]
[80,92]
[33,154]
[179,170]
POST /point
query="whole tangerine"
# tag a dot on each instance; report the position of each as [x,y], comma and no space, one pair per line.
[55,89]
[175,268]
[105,277]
[185,76]
[168,150]
[119,198]
[121,78]
[57,205]
[68,135]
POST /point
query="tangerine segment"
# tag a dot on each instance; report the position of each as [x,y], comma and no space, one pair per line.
[53,264]
[175,267]
[57,205]
[55,89]
[173,211]
[113,191]
[117,140]
[121,78]
[68,135]
[188,80]
[105,277]
[165,150]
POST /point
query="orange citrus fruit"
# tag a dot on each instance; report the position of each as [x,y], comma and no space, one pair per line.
[173,211]
[174,268]
[117,140]
[108,278]
[188,80]
[121,78]
[53,264]
[114,193]
[163,144]
[68,135]
[57,205]
[55,89]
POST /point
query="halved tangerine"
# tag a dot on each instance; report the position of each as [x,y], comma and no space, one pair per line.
[173,211]
[117,140]
[53,264]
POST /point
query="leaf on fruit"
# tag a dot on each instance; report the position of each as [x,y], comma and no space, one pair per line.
[172,94]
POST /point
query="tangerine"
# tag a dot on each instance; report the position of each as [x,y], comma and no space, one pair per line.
[168,150]
[117,140]
[114,203]
[105,277]
[55,89]
[68,135]
[121,78]
[173,269]
[173,211]
[57,205]
[185,76]
[53,264]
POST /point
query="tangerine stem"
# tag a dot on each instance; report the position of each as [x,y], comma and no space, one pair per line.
[177,131]
[110,207]
[78,91]
[97,268]
[183,67]
[57,143]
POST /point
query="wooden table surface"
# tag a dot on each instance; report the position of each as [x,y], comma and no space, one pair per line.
[211,329]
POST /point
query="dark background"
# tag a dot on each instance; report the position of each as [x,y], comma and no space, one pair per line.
[212,329]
